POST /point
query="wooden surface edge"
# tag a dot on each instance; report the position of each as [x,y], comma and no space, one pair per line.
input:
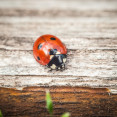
[79,101]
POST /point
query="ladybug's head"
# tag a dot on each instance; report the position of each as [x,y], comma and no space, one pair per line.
[57,60]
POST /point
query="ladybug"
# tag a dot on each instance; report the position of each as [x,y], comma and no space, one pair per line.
[50,51]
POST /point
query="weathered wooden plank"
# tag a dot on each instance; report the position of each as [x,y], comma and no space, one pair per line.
[58,12]
[30,102]
[71,23]
[87,71]
[91,33]
[102,58]
[95,68]
[59,8]
[72,42]
[20,82]
[23,38]
[94,49]
[83,63]
[60,4]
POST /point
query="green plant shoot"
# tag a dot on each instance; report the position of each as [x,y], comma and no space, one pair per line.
[1,114]
[49,104]
[65,115]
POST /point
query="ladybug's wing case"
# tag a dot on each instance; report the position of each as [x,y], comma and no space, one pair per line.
[43,45]
[38,52]
[55,43]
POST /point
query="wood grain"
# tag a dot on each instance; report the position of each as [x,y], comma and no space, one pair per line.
[94,68]
[75,43]
[30,102]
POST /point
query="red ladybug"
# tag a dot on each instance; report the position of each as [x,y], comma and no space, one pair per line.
[49,50]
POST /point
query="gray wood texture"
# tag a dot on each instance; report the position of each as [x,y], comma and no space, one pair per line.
[87,27]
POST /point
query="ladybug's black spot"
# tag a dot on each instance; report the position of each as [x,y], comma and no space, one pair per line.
[53,51]
[52,38]
[39,46]
[38,58]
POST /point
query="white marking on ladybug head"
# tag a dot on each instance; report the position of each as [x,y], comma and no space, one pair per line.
[58,52]
[51,57]
[53,66]
[64,60]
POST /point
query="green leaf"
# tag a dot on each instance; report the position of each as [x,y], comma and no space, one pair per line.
[65,115]
[49,104]
[1,114]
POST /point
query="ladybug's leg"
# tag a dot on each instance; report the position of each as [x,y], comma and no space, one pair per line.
[50,70]
[63,66]
[57,69]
